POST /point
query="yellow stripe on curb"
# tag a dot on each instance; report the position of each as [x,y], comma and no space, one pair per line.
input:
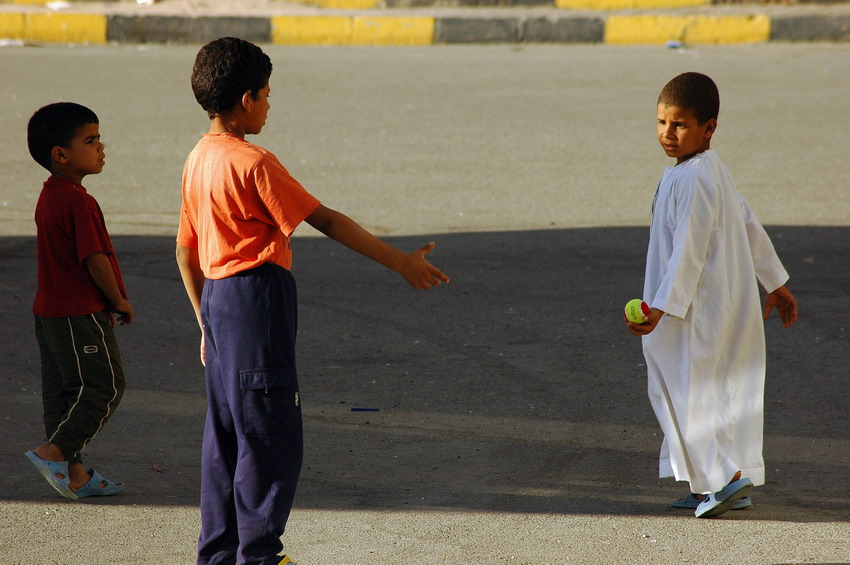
[310,30]
[11,26]
[628,4]
[54,28]
[352,30]
[629,30]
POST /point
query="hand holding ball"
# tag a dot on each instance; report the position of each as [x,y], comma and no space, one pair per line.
[637,311]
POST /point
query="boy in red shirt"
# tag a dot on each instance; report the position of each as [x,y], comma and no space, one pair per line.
[79,289]
[240,207]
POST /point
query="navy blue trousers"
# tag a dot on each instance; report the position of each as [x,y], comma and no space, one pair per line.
[253,435]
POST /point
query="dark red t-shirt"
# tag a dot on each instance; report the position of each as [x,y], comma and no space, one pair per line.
[70,229]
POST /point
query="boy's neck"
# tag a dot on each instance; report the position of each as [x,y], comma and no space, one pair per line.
[226,124]
[686,158]
[73,178]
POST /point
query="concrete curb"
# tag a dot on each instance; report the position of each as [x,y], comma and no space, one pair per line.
[597,5]
[706,26]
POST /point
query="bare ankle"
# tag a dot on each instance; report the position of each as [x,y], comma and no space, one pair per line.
[49,452]
[78,475]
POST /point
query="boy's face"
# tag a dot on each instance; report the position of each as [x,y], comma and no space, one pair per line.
[680,133]
[259,112]
[83,156]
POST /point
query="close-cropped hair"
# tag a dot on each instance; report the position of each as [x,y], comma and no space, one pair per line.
[695,92]
[55,125]
[224,70]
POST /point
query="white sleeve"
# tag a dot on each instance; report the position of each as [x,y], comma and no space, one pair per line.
[693,210]
[769,269]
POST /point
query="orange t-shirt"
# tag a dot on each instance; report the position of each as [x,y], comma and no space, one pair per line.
[240,206]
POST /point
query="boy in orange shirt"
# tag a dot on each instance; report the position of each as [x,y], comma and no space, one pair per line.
[240,207]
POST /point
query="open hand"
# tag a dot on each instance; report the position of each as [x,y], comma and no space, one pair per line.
[419,273]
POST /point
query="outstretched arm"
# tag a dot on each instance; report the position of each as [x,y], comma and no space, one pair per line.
[413,266]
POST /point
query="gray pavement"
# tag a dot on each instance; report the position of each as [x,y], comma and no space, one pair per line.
[512,424]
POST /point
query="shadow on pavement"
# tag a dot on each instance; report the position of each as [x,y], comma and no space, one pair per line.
[515,388]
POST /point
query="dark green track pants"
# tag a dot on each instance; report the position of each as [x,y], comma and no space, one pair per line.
[82,379]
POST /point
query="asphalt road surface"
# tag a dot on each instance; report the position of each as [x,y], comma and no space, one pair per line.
[511,422]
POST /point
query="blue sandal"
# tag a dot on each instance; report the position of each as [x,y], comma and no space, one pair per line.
[49,470]
[94,488]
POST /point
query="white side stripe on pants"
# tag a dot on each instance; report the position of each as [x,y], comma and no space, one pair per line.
[83,383]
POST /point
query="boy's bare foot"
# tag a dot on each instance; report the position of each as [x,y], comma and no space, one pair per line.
[79,476]
[50,452]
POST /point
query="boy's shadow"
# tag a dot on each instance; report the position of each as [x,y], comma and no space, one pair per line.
[516,388]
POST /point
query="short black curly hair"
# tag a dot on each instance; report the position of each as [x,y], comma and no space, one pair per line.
[224,70]
[695,92]
[55,125]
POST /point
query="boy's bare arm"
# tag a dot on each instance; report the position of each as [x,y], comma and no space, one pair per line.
[100,267]
[193,277]
[785,304]
[413,266]
[193,281]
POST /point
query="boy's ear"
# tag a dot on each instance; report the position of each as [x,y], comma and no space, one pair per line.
[247,100]
[710,128]
[58,154]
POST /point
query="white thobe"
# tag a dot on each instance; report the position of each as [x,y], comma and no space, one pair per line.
[706,357]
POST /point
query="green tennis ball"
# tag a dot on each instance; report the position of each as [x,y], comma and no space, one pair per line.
[637,311]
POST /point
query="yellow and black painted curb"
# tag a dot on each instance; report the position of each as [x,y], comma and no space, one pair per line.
[381,29]
[567,4]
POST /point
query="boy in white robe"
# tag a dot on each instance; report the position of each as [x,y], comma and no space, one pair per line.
[704,337]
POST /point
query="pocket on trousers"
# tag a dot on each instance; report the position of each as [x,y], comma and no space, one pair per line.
[270,402]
